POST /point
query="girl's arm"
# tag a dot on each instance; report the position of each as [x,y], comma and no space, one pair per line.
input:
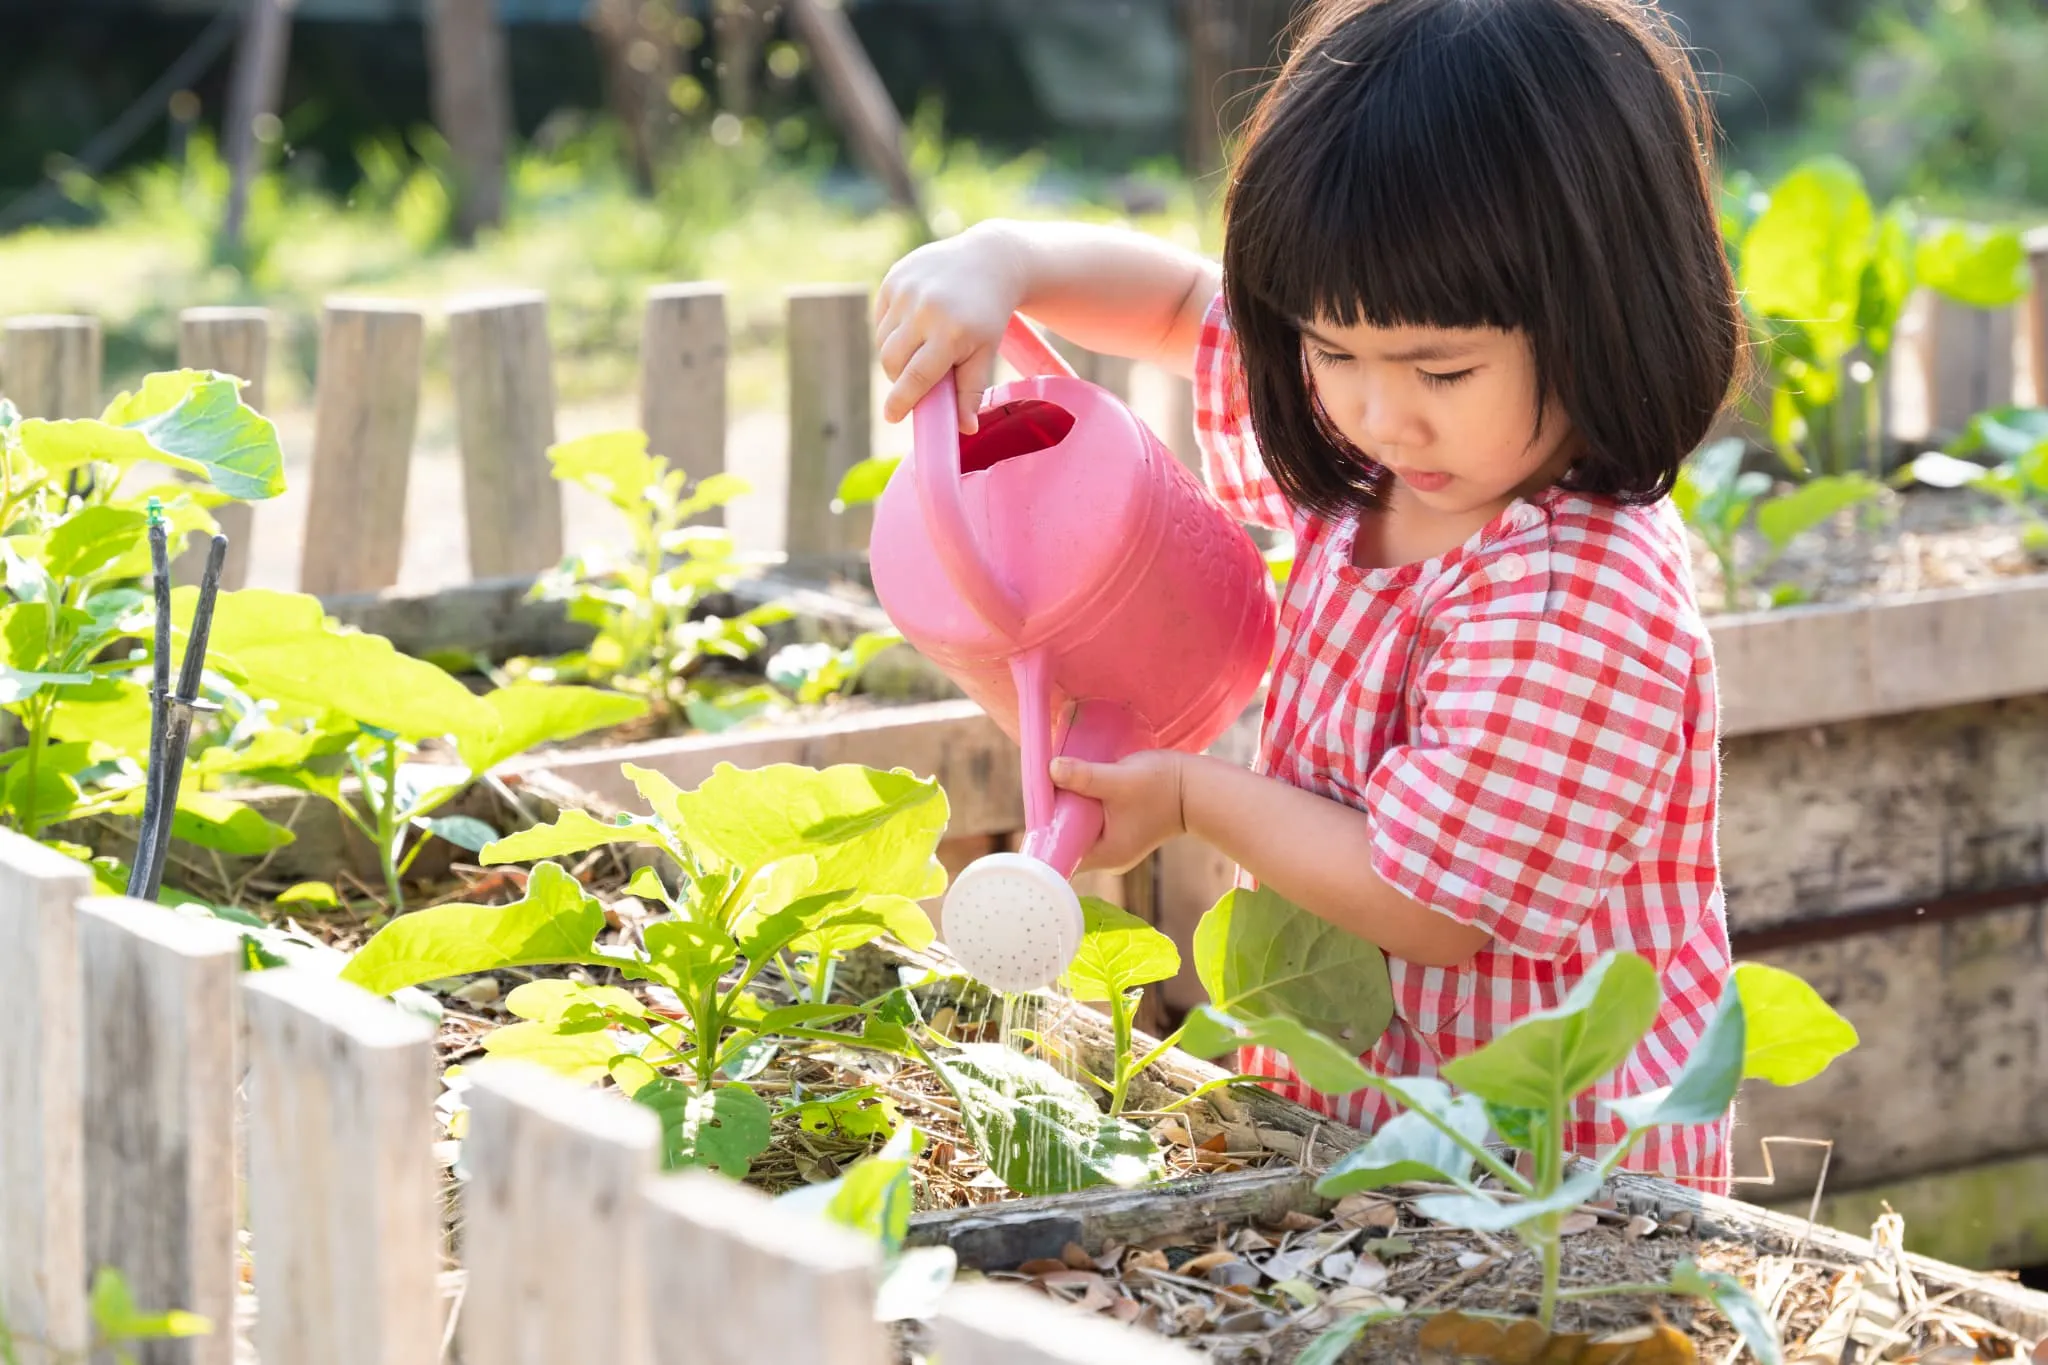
[1111,290]
[1314,851]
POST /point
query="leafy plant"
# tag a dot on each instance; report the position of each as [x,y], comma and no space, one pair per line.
[874,1198]
[1716,497]
[1524,1084]
[2018,439]
[117,1324]
[1825,276]
[774,864]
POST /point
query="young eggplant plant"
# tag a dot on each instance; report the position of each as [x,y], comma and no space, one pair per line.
[1524,1085]
[771,864]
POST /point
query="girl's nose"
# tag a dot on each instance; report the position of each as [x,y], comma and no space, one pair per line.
[1386,418]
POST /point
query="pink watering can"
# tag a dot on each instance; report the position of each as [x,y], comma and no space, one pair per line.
[1084,588]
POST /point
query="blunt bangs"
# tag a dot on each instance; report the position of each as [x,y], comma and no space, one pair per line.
[1527,165]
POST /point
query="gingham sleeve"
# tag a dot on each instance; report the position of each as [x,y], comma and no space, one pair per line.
[1538,770]
[1223,429]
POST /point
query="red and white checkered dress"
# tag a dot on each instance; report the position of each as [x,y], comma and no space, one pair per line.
[1530,721]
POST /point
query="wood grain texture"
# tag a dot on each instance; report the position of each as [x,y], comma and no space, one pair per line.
[683,380]
[1005,1324]
[551,1213]
[472,100]
[343,1197]
[161,1035]
[366,408]
[233,341]
[2036,306]
[831,422]
[50,365]
[758,1284]
[42,1119]
[505,418]
[1969,363]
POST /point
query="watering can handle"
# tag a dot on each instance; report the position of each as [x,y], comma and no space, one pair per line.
[935,437]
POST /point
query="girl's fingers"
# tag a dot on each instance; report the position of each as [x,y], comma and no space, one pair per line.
[925,368]
[898,345]
[970,381]
[1071,774]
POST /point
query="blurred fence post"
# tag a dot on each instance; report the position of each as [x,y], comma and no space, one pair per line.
[2037,314]
[683,380]
[1969,364]
[233,341]
[50,366]
[505,410]
[472,97]
[253,93]
[366,408]
[1006,1324]
[831,423]
[42,1114]
[161,1036]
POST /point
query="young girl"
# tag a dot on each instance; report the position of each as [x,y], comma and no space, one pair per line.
[1472,313]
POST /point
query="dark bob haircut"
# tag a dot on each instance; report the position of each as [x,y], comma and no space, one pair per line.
[1540,166]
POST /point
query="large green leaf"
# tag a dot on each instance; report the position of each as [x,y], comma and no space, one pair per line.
[870,830]
[90,539]
[900,917]
[553,1000]
[1887,281]
[1793,514]
[113,711]
[530,714]
[581,1055]
[724,1128]
[687,957]
[1328,1068]
[1548,1058]
[577,831]
[864,482]
[1118,951]
[614,465]
[1707,1084]
[555,921]
[193,421]
[1483,1213]
[1039,1132]
[1977,266]
[1410,1147]
[874,1196]
[282,646]
[1803,257]
[1755,1325]
[2006,433]
[1258,954]
[1791,1034]
[205,820]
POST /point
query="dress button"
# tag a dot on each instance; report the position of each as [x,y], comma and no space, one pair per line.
[1526,518]
[1511,568]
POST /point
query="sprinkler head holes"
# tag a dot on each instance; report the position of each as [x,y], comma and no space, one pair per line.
[1012,922]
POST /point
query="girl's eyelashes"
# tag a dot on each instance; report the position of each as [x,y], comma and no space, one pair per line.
[1444,381]
[1320,356]
[1326,358]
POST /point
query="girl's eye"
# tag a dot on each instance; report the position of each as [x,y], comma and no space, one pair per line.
[1443,381]
[1323,357]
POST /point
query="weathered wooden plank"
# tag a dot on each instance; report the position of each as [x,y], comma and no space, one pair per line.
[233,341]
[161,1031]
[505,415]
[1982,1217]
[552,1213]
[831,423]
[42,1118]
[366,407]
[729,1261]
[343,1206]
[2037,315]
[1003,1324]
[472,98]
[50,365]
[1969,363]
[683,379]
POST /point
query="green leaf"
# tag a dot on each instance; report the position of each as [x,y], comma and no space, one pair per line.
[1706,1085]
[874,1195]
[283,648]
[1329,1068]
[193,421]
[112,711]
[1039,1132]
[1976,266]
[661,795]
[463,831]
[1259,955]
[1332,1346]
[1736,1304]
[1518,1127]
[1483,1214]
[577,831]
[1549,1057]
[208,821]
[90,539]
[870,830]
[582,1056]
[318,895]
[1118,951]
[1409,1147]
[900,917]
[724,1128]
[685,956]
[2007,433]
[1803,258]
[1887,281]
[614,465]
[116,1318]
[531,714]
[1791,1034]
[859,1113]
[553,1001]
[55,788]
[556,921]
[865,481]
[1793,514]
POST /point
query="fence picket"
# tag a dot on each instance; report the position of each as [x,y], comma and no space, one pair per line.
[831,422]
[505,412]
[2037,314]
[727,1260]
[50,365]
[160,1013]
[1969,364]
[683,379]
[366,409]
[551,1217]
[233,341]
[343,1215]
[42,1179]
[1001,1324]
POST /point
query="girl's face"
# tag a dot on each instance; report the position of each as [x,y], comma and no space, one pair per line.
[1449,412]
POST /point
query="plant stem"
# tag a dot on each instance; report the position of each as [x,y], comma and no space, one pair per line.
[1601,1291]
[1120,1020]
[388,834]
[1544,1233]
[38,735]
[821,978]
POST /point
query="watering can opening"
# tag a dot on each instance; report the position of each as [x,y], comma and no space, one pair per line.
[1022,427]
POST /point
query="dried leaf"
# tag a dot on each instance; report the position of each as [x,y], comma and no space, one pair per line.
[1127,1311]
[482,991]
[1236,1275]
[1218,1142]
[1468,1260]
[1202,1264]
[1452,1337]
[1294,1220]
[1173,1132]
[1368,1273]
[1337,1265]
[1044,1265]
[1659,1345]
[1289,1145]
[1640,1226]
[1301,1291]
[1574,1223]
[1388,1248]
[1250,1239]
[1349,1298]
[1076,1256]
[1367,1210]
[1145,1259]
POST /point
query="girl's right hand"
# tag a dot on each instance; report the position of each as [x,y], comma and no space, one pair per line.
[944,307]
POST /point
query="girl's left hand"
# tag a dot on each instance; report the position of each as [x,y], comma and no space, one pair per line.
[1141,804]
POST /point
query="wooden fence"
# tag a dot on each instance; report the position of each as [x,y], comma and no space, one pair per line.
[140,1063]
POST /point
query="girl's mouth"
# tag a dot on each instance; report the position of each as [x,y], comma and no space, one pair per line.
[1423,481]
